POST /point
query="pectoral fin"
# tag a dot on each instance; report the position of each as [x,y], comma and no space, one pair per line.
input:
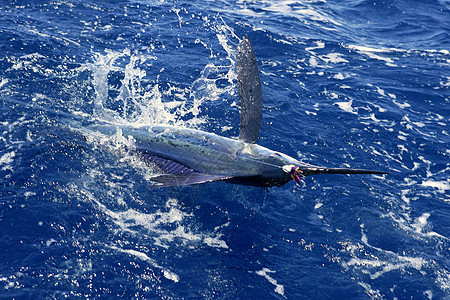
[177,174]
[250,92]
[186,179]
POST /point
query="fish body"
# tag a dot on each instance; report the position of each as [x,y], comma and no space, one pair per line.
[200,152]
[188,156]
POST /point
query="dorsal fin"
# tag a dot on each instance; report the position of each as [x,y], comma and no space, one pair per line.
[250,92]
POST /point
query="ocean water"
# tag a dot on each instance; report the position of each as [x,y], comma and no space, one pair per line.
[359,83]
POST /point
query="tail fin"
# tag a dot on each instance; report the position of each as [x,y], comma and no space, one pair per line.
[320,170]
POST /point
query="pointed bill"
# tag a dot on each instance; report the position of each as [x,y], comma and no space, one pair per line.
[250,92]
[322,170]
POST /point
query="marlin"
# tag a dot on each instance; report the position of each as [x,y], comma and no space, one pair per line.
[188,156]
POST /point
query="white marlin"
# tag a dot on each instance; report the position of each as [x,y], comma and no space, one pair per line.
[188,156]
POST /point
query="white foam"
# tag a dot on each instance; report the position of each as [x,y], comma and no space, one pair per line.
[443,279]
[370,52]
[165,226]
[290,8]
[402,148]
[372,293]
[3,82]
[380,261]
[6,160]
[340,76]
[33,56]
[377,267]
[50,242]
[279,289]
[140,104]
[29,194]
[320,45]
[313,62]
[346,106]
[369,49]
[226,128]
[443,83]
[421,222]
[442,186]
[170,275]
[215,242]
[402,105]
[381,92]
[144,257]
[334,58]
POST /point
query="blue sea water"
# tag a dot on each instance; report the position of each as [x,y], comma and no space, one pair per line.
[359,83]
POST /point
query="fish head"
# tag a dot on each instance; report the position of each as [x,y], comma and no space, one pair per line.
[273,168]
